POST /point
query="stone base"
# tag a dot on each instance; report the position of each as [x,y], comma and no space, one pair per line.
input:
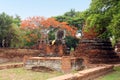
[55,50]
[63,64]
[96,51]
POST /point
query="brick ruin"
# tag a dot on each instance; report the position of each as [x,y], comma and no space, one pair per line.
[95,50]
[54,50]
[91,48]
[118,47]
[54,55]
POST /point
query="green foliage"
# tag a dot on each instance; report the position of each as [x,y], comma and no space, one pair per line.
[71,13]
[9,31]
[15,36]
[112,76]
[51,35]
[71,42]
[104,14]
[31,37]
[5,22]
[114,26]
[73,18]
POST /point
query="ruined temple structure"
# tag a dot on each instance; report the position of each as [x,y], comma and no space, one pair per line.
[54,55]
[53,48]
[95,50]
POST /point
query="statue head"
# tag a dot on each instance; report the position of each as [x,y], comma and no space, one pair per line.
[60,35]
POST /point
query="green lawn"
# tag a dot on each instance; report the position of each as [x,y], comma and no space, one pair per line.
[22,74]
[112,76]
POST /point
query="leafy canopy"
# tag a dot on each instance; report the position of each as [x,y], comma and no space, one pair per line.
[105,14]
[9,31]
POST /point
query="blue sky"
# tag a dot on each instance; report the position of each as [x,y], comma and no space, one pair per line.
[47,8]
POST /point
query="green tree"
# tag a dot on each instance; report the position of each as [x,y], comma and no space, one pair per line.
[71,13]
[51,34]
[105,14]
[71,42]
[30,37]
[9,31]
[73,18]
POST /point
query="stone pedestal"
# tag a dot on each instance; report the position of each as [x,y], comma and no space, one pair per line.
[55,50]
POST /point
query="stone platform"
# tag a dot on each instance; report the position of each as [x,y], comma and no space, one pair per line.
[11,65]
[64,64]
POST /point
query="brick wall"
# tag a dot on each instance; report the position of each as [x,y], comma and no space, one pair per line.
[8,55]
[8,66]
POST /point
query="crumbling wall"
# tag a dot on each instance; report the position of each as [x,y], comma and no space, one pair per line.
[16,55]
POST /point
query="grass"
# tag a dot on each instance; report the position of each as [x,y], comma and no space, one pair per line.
[22,74]
[112,76]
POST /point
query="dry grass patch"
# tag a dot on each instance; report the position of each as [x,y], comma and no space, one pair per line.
[22,74]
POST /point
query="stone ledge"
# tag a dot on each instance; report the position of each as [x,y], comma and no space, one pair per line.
[88,74]
[51,58]
[8,66]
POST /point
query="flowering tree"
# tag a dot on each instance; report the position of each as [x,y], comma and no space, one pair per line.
[41,25]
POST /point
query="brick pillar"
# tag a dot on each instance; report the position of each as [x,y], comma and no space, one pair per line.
[48,49]
[66,64]
[61,50]
[25,58]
